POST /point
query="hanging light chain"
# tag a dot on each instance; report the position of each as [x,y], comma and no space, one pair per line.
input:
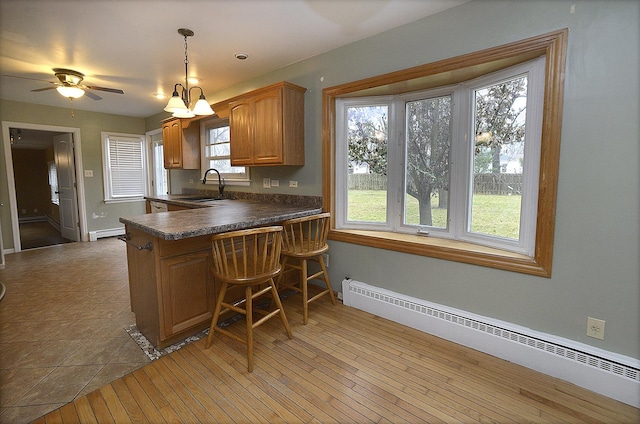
[186,70]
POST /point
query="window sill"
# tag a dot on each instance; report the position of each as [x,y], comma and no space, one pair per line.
[452,250]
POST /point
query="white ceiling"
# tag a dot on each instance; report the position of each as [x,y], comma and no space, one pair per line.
[134,45]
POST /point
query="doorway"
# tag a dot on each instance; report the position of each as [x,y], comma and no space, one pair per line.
[46,198]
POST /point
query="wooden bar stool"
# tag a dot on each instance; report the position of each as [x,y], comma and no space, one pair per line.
[250,259]
[305,239]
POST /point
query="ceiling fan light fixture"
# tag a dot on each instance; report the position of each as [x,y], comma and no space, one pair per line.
[70,92]
[178,103]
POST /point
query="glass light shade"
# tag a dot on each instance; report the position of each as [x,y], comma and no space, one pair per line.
[202,107]
[70,92]
[175,104]
[183,113]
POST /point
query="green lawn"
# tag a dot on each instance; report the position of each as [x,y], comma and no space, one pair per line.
[492,214]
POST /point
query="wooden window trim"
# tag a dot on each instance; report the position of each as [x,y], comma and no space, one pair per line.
[448,71]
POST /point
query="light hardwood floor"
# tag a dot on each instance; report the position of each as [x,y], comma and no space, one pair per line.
[344,366]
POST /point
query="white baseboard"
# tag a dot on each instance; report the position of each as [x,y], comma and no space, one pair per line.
[95,235]
[610,374]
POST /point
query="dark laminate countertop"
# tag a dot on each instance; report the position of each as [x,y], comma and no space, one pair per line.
[219,216]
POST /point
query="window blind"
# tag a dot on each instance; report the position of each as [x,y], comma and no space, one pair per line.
[126,167]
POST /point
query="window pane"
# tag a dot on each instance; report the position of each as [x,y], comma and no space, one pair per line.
[428,124]
[224,167]
[161,185]
[218,150]
[367,135]
[499,123]
[219,135]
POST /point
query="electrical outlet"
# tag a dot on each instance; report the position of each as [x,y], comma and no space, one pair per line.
[275,183]
[595,328]
[293,184]
[325,257]
[266,182]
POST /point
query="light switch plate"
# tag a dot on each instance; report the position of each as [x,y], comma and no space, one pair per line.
[88,173]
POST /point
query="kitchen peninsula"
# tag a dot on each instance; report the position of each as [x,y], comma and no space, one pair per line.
[169,258]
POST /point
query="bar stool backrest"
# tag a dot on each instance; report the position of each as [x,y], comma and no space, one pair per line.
[306,236]
[247,256]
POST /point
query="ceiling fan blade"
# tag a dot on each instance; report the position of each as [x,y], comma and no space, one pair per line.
[92,95]
[110,90]
[29,78]
[44,89]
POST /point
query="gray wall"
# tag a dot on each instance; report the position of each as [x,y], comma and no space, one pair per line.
[596,254]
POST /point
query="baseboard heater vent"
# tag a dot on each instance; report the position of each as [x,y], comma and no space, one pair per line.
[613,375]
[111,232]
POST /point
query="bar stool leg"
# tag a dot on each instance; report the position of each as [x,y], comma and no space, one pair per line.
[283,317]
[325,276]
[305,291]
[216,314]
[249,321]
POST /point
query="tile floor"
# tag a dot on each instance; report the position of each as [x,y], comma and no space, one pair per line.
[62,326]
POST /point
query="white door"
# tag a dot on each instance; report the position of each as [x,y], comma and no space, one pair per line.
[65,167]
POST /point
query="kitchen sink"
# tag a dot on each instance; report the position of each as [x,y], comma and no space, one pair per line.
[205,199]
[200,199]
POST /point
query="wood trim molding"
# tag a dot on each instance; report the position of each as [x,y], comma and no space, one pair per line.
[553,45]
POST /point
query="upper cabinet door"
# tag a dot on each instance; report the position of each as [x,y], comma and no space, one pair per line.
[172,144]
[267,126]
[268,140]
[241,131]
[181,144]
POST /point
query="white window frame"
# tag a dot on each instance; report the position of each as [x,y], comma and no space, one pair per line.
[461,160]
[111,193]
[237,179]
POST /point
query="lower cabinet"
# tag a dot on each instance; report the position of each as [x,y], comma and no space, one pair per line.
[172,289]
[187,291]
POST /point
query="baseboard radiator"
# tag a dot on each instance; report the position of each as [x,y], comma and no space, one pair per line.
[111,232]
[610,374]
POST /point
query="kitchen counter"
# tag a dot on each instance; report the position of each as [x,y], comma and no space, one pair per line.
[169,259]
[212,217]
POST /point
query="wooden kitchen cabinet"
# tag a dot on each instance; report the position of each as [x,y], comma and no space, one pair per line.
[187,291]
[267,126]
[181,144]
[171,286]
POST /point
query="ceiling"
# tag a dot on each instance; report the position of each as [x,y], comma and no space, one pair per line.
[134,45]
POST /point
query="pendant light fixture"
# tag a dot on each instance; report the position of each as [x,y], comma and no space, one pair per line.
[180,103]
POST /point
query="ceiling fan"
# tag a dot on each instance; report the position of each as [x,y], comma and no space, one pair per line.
[70,85]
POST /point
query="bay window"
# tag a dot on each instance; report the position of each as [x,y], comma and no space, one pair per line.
[462,167]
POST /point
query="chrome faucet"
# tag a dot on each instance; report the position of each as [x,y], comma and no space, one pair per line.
[220,180]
